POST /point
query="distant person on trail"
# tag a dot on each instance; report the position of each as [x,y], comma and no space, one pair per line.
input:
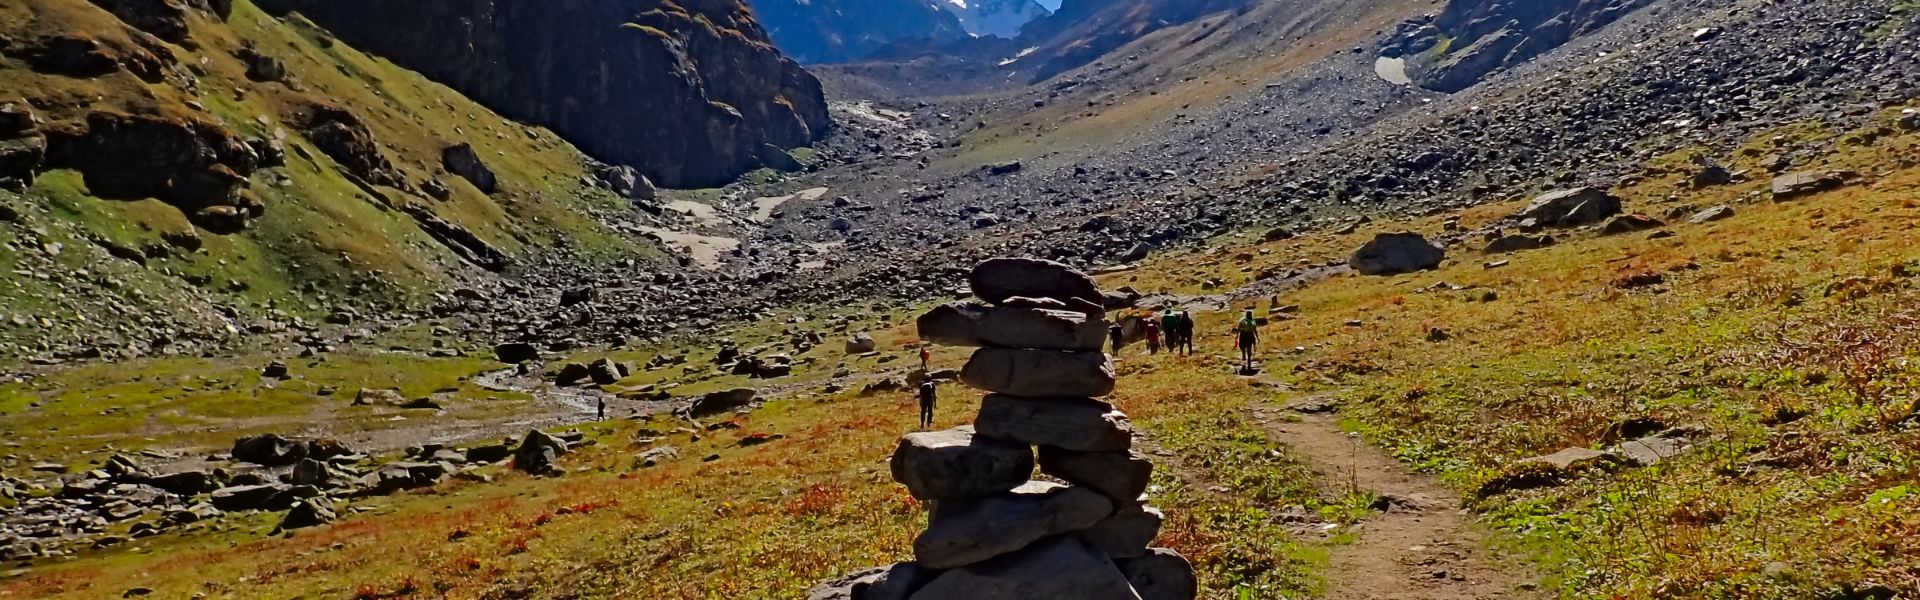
[1153,337]
[926,355]
[1170,323]
[1118,336]
[1186,331]
[1249,335]
[603,410]
[927,400]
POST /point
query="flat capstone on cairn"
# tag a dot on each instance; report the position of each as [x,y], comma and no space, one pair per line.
[993,534]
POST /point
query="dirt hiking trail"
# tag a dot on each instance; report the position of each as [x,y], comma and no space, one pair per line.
[1421,546]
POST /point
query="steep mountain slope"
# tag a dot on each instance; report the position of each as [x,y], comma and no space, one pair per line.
[829,31]
[1472,38]
[200,175]
[997,18]
[691,94]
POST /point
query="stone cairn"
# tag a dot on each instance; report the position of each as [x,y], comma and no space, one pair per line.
[992,533]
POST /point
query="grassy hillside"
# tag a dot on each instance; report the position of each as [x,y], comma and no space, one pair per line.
[323,239]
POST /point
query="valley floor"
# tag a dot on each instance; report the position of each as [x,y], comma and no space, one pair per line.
[1384,452]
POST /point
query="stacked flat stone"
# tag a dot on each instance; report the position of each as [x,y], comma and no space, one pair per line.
[993,534]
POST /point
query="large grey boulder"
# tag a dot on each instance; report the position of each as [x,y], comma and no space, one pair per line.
[973,532]
[269,450]
[1067,423]
[721,402]
[974,325]
[1571,208]
[956,464]
[1127,533]
[1062,568]
[462,160]
[311,472]
[1395,253]
[1161,575]
[896,582]
[538,453]
[1039,373]
[998,279]
[1122,476]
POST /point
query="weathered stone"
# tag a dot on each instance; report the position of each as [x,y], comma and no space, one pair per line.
[861,343]
[1063,568]
[1570,458]
[896,582]
[974,325]
[977,531]
[1630,224]
[1161,575]
[308,513]
[957,464]
[1805,183]
[1127,533]
[1571,208]
[1121,476]
[721,402]
[1068,423]
[185,483]
[998,279]
[537,453]
[1394,253]
[514,353]
[381,397]
[1039,373]
[247,497]
[1650,450]
[462,160]
[1712,214]
[311,472]
[1516,243]
[269,450]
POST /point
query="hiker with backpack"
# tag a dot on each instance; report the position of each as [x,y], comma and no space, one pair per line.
[1249,333]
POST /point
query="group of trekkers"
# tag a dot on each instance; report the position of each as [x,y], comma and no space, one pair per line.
[1177,327]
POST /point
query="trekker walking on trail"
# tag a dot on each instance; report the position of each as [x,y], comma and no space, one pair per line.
[1186,331]
[1249,335]
[1170,323]
[926,356]
[1153,337]
[1118,336]
[928,398]
[603,410]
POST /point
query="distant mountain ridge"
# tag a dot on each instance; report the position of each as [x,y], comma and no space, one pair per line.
[996,18]
[831,31]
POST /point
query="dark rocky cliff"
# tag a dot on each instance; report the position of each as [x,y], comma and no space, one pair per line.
[1473,38]
[689,92]
[829,31]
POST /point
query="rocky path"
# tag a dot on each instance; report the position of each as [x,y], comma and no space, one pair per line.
[1421,547]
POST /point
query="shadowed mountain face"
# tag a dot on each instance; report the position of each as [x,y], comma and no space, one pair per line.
[1474,38]
[690,93]
[826,31]
[997,18]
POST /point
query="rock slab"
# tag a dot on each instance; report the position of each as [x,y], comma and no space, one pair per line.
[956,464]
[973,325]
[1067,423]
[998,525]
[1039,373]
[999,279]
[1058,569]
